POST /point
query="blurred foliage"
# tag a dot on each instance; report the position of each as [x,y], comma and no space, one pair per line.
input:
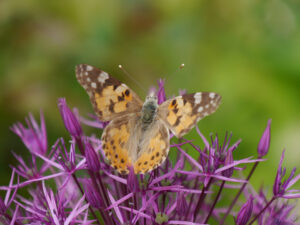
[246,50]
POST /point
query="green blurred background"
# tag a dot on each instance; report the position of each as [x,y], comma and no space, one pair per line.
[246,50]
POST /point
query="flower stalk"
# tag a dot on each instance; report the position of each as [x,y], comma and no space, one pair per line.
[215,202]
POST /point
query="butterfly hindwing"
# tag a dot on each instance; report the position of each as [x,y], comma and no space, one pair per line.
[126,144]
[115,139]
[110,97]
[154,148]
[181,113]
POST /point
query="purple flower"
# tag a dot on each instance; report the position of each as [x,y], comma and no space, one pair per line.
[132,181]
[92,122]
[245,212]
[181,204]
[161,95]
[279,212]
[228,161]
[64,186]
[280,187]
[264,143]
[71,122]
[2,207]
[34,137]
[66,158]
[92,194]
[92,159]
[9,196]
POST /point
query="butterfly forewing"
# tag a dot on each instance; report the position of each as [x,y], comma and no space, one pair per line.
[181,113]
[110,97]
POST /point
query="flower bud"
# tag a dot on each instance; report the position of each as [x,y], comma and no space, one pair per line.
[264,143]
[92,194]
[228,160]
[71,122]
[181,204]
[91,156]
[245,212]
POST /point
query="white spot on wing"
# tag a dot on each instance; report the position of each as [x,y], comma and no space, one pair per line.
[120,88]
[89,68]
[200,109]
[93,85]
[199,118]
[212,95]
[198,97]
[103,76]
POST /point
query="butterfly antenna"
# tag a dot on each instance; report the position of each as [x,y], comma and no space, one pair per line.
[131,78]
[182,65]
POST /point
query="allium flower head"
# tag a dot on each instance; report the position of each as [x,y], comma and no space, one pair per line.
[72,183]
[34,137]
[280,187]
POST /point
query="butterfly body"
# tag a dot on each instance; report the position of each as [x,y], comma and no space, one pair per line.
[138,133]
[149,111]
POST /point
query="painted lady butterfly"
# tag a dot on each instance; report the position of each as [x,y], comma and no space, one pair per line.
[138,133]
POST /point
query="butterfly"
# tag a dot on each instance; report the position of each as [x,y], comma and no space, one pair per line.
[138,132]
